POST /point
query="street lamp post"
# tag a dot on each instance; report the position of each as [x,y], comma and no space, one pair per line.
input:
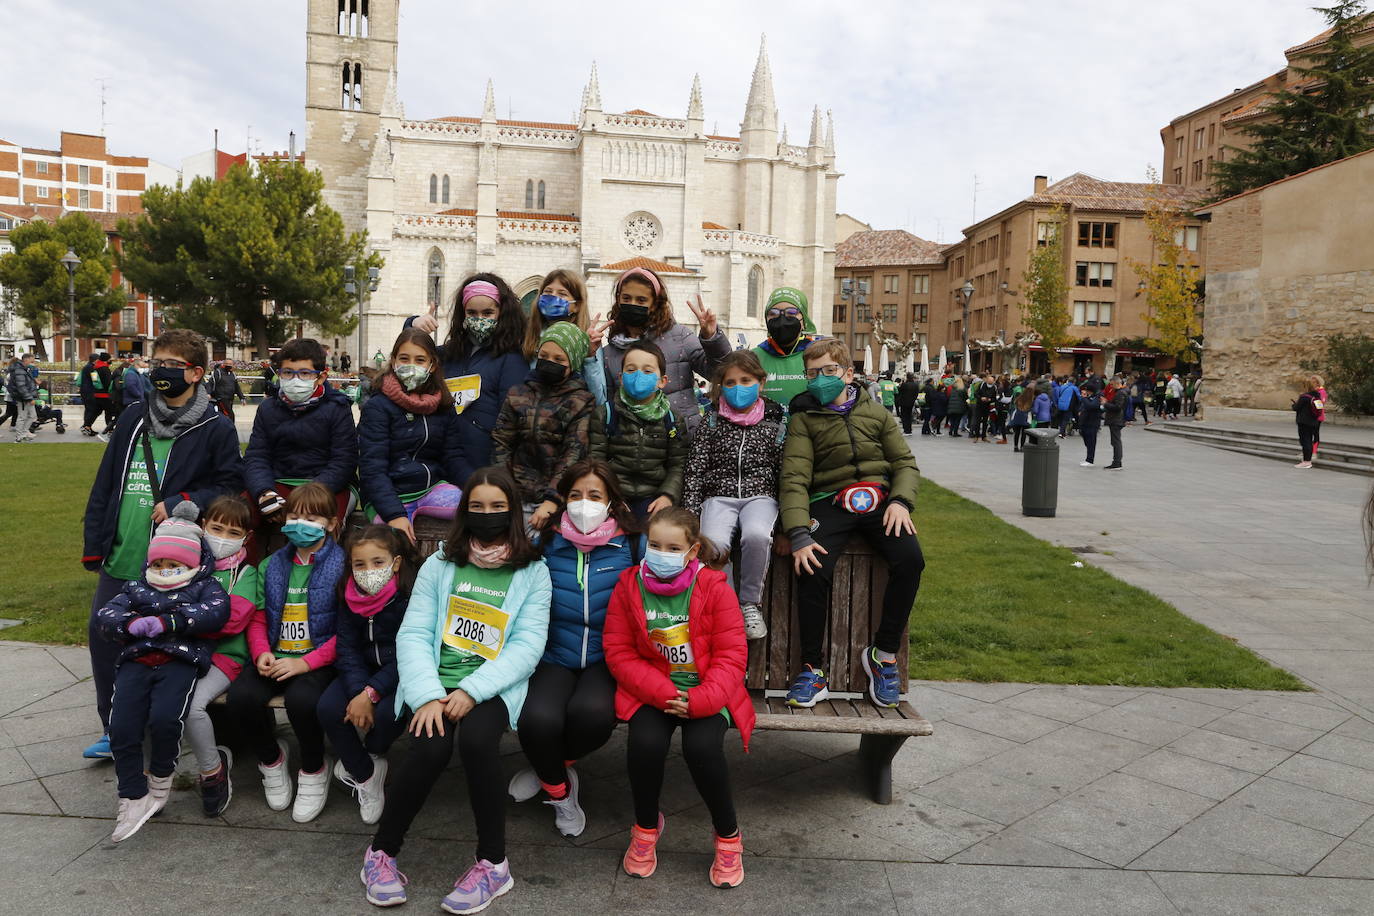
[362,291]
[965,294]
[71,262]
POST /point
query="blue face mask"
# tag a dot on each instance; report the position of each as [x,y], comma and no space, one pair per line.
[302,533]
[664,565]
[742,397]
[554,306]
[639,385]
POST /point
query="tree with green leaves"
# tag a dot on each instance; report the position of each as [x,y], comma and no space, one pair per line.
[1045,286]
[1171,281]
[1322,116]
[241,259]
[35,279]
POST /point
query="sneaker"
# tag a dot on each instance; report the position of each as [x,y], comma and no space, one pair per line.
[1113,467]
[371,793]
[524,785]
[754,625]
[884,684]
[385,884]
[160,788]
[482,884]
[276,781]
[810,687]
[216,790]
[87,431]
[727,869]
[568,816]
[312,790]
[1085,464]
[1303,464]
[103,437]
[100,750]
[642,857]
[133,814]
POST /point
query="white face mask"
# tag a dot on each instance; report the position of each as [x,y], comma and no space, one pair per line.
[223,547]
[298,390]
[587,514]
[372,581]
[167,579]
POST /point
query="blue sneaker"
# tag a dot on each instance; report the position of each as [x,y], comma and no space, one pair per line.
[810,687]
[482,884]
[385,884]
[100,750]
[884,685]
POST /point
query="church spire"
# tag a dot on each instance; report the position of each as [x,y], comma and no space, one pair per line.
[829,136]
[593,92]
[694,107]
[760,111]
[815,139]
[489,104]
[391,103]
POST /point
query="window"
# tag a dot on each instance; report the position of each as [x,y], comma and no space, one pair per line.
[352,98]
[42,190]
[1178,175]
[1094,273]
[920,314]
[434,274]
[434,189]
[1178,146]
[444,196]
[890,313]
[529,195]
[889,283]
[981,252]
[83,174]
[541,195]
[1199,136]
[1092,314]
[83,199]
[837,315]
[1197,170]
[920,283]
[863,312]
[5,225]
[755,288]
[959,267]
[128,320]
[1211,134]
[1096,235]
[41,168]
[992,247]
[1187,237]
[353,18]
[1044,232]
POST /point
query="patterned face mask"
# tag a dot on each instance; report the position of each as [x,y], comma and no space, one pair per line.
[479,329]
[411,376]
[372,581]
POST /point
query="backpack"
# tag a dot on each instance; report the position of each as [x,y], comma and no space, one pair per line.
[117,389]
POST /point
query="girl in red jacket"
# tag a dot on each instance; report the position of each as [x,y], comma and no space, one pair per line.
[674,641]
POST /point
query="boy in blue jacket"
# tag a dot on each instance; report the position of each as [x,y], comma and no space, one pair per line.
[160,622]
[192,451]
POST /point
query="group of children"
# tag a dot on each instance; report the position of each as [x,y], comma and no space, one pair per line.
[580,582]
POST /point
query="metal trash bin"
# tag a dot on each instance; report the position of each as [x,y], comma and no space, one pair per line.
[1040,473]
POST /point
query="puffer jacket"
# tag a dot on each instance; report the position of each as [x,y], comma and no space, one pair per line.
[190,614]
[648,458]
[403,453]
[685,352]
[19,385]
[318,442]
[1114,408]
[329,565]
[727,459]
[365,648]
[540,433]
[827,450]
[958,401]
[582,586]
[496,374]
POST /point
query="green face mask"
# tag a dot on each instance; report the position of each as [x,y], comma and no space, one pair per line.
[826,388]
[479,329]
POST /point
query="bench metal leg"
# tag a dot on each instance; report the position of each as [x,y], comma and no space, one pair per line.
[875,757]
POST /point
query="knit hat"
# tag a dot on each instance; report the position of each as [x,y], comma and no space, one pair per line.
[572,339]
[178,538]
[790,295]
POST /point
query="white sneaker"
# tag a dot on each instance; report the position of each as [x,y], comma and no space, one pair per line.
[523,785]
[160,788]
[371,794]
[1085,464]
[754,625]
[568,816]
[312,790]
[133,814]
[276,782]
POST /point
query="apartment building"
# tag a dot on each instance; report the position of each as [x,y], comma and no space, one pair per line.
[81,174]
[886,277]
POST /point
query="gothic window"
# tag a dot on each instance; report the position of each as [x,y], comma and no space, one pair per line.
[434,189]
[541,195]
[352,86]
[444,198]
[529,194]
[641,232]
[434,279]
[755,291]
[353,18]
[343,17]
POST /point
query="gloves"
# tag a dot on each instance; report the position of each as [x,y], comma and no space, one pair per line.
[270,502]
[94,564]
[147,627]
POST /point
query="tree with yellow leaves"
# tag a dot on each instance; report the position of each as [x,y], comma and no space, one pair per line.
[1044,306]
[1171,281]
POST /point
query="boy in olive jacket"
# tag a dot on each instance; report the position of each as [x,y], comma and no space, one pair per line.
[846,468]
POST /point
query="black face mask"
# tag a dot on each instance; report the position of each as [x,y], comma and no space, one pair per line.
[486,526]
[633,316]
[784,329]
[170,383]
[549,372]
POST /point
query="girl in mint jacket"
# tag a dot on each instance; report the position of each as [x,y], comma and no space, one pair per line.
[475,628]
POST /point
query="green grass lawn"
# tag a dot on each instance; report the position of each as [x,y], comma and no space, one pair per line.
[996,604]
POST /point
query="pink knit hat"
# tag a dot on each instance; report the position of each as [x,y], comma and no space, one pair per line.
[178,538]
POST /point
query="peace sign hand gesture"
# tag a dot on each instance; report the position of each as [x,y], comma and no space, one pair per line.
[705,317]
[596,330]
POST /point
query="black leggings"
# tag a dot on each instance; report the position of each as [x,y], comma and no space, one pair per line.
[1018,436]
[703,747]
[1306,436]
[247,701]
[479,748]
[567,715]
[92,411]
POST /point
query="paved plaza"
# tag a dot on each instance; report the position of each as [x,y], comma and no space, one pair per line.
[1028,799]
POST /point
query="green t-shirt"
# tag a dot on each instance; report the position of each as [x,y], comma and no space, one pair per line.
[665,616]
[134,525]
[474,622]
[294,639]
[785,375]
[889,389]
[243,583]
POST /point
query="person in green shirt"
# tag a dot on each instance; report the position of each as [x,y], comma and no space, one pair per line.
[790,332]
[889,393]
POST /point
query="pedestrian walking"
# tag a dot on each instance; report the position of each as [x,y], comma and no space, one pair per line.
[907,395]
[21,390]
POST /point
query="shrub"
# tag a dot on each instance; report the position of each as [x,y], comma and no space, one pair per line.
[1348,368]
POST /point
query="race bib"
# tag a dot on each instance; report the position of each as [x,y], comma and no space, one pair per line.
[295,629]
[465,389]
[474,627]
[674,644]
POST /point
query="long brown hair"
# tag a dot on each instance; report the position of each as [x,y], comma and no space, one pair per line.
[615,496]
[394,542]
[1026,399]
[535,323]
[743,360]
[661,318]
[435,383]
[459,541]
[688,523]
[510,321]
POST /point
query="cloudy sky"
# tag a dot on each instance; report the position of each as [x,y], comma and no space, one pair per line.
[925,95]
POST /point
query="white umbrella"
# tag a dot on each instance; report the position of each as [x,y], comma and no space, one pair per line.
[910,362]
[944,359]
[966,359]
[868,359]
[882,359]
[925,359]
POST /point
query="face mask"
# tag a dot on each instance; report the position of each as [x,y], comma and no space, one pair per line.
[549,372]
[826,388]
[298,390]
[372,581]
[479,329]
[664,565]
[784,329]
[741,397]
[143,370]
[487,526]
[554,306]
[587,514]
[302,533]
[223,547]
[639,385]
[411,376]
[170,383]
[165,579]
[633,316]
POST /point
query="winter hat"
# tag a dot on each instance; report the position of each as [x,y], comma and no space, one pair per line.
[178,538]
[572,339]
[790,295]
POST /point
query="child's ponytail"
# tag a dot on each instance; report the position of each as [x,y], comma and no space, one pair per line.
[688,522]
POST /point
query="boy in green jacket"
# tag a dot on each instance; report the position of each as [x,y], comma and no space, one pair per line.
[846,469]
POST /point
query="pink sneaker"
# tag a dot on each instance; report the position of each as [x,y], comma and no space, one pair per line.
[482,884]
[641,859]
[385,884]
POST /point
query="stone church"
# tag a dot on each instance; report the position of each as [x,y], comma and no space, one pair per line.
[726,217]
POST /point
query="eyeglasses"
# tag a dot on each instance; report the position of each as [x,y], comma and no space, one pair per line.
[308,374]
[832,370]
[168,364]
[779,313]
